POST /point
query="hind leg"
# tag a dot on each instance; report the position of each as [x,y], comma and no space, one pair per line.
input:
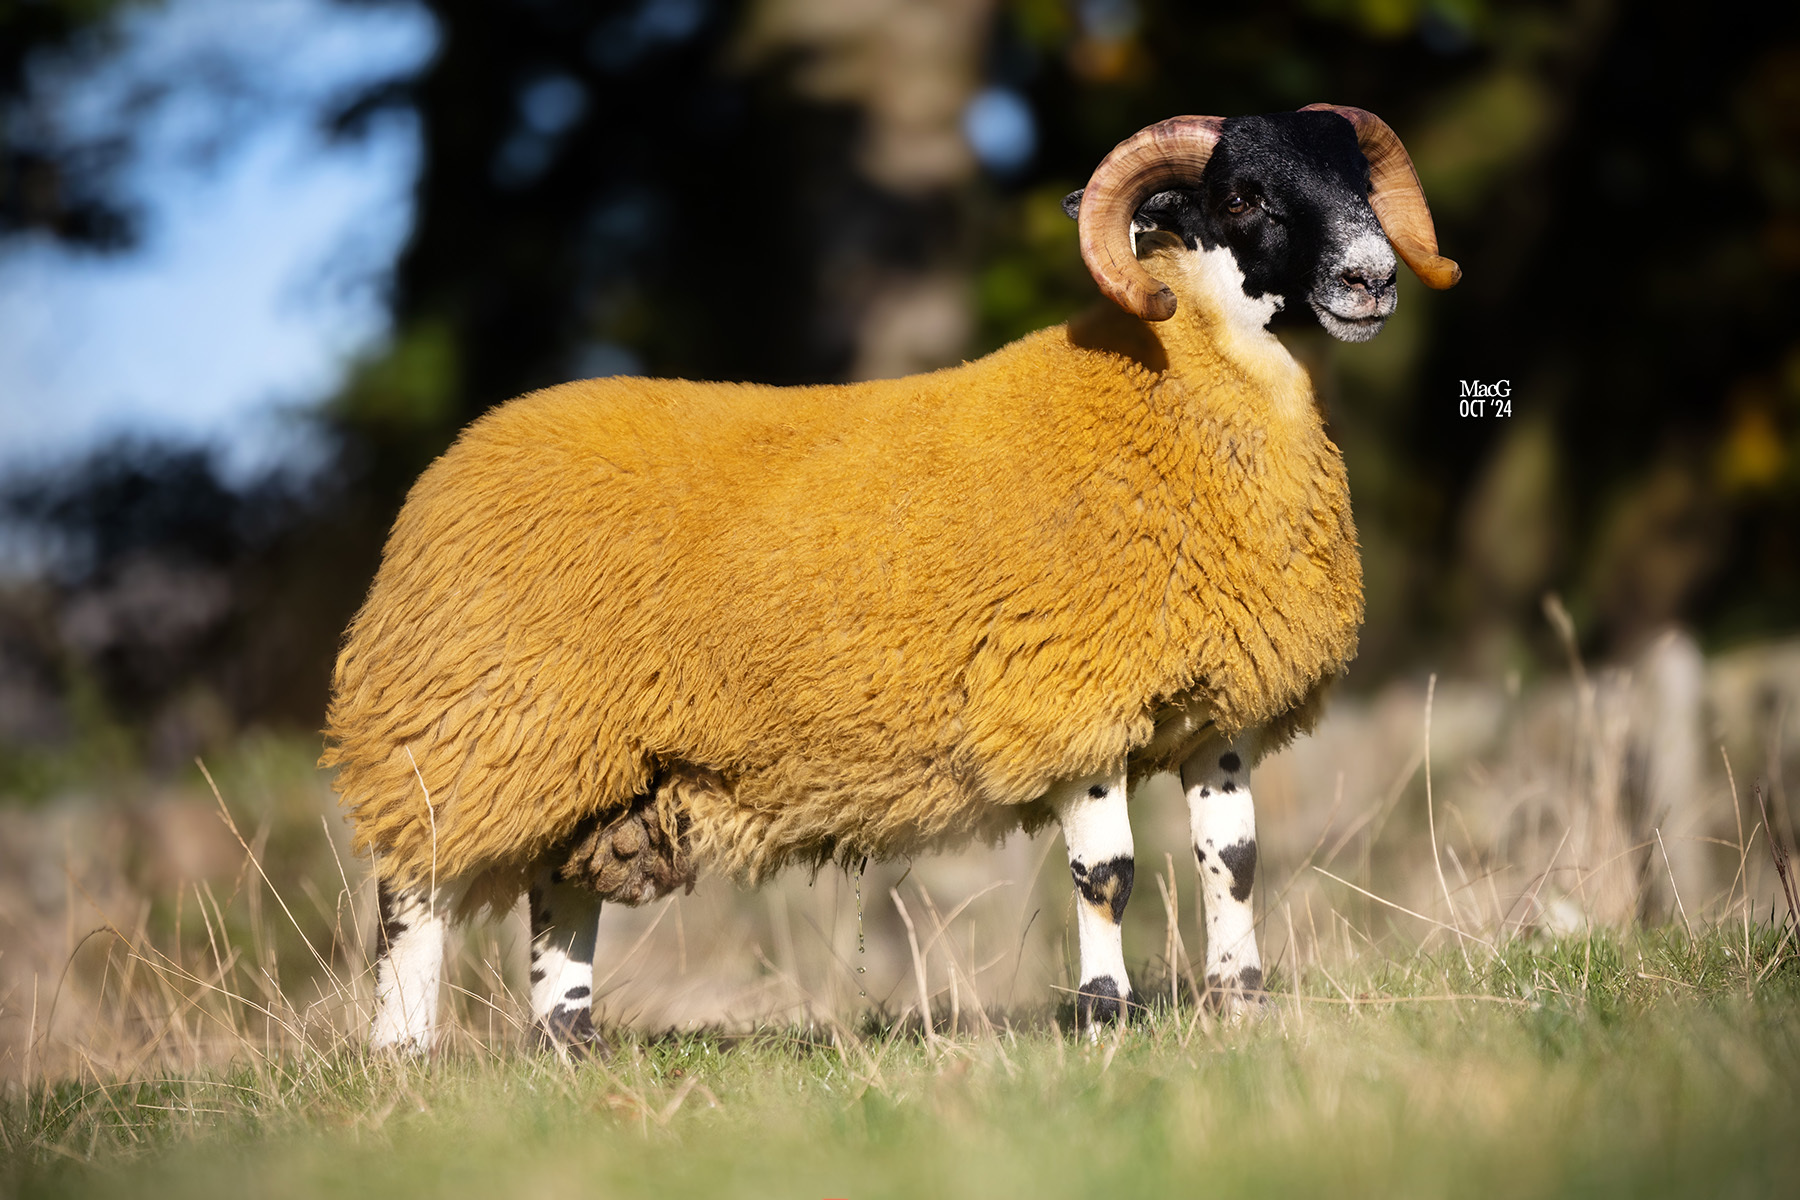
[565,921]
[409,960]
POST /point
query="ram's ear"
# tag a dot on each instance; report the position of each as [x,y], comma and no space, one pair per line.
[1166,210]
[1161,211]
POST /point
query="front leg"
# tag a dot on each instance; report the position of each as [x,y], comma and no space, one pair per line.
[1223,820]
[1098,832]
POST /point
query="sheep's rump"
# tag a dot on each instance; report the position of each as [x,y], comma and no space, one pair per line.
[853,620]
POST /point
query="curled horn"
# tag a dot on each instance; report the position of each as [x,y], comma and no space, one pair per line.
[1168,153]
[1396,197]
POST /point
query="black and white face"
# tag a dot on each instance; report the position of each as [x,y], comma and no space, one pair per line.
[1286,196]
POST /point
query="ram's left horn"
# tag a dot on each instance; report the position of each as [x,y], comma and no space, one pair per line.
[1167,154]
[1396,197]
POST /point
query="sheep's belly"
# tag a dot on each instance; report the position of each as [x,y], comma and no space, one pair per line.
[807,813]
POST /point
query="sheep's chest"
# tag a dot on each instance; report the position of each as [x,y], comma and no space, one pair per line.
[1266,580]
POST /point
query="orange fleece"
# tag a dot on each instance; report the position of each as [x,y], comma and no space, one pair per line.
[865,619]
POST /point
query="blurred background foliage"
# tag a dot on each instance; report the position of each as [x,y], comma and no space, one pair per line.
[794,191]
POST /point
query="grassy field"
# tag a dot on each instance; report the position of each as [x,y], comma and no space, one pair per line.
[1660,1064]
[1522,941]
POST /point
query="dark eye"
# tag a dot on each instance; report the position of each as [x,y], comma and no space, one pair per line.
[1236,204]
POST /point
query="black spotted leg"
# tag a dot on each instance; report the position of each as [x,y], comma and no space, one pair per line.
[1223,819]
[565,921]
[1098,832]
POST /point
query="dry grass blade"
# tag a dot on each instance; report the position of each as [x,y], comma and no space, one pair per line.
[264,875]
[1673,888]
[1337,802]
[1529,899]
[950,968]
[1402,908]
[1377,813]
[668,1111]
[636,946]
[1437,858]
[344,878]
[1174,949]
[962,905]
[1783,864]
[912,941]
[1442,998]
[843,1038]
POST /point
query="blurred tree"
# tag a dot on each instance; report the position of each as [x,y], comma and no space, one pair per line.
[805,190]
[1622,184]
[155,566]
[54,179]
[625,186]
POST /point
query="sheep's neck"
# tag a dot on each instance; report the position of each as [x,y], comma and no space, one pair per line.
[1215,325]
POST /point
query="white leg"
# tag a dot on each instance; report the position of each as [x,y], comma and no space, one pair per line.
[565,921]
[409,959]
[1223,819]
[1098,832]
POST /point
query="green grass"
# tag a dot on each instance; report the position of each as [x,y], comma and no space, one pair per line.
[1648,1064]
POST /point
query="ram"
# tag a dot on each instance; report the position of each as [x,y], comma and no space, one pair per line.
[626,629]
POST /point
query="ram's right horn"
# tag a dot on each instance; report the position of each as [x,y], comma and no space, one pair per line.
[1396,197]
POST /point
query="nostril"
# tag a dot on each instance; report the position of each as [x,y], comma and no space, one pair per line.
[1358,282]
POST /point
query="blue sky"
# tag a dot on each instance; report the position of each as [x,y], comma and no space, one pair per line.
[258,275]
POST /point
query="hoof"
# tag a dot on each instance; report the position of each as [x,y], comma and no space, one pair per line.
[407,1050]
[1099,1004]
[571,1033]
[1237,997]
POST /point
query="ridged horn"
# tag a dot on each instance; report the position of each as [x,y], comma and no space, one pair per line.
[1159,156]
[1396,197]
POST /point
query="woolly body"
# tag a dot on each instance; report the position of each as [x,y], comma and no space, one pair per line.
[871,618]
